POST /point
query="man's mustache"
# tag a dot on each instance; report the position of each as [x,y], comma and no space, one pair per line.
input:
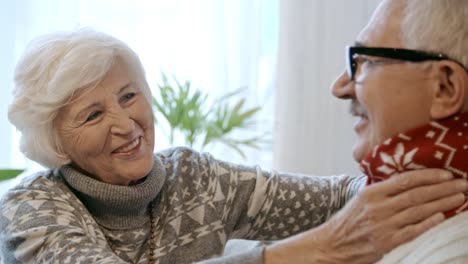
[356,109]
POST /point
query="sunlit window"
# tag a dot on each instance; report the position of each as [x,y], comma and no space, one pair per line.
[218,45]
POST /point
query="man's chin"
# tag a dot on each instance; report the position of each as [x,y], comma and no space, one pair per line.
[360,150]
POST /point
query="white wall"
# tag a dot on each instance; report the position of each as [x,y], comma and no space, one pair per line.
[6,70]
[313,130]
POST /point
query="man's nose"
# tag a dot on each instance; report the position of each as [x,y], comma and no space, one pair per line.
[343,87]
[122,123]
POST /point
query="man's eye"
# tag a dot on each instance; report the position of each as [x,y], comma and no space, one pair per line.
[364,61]
[93,116]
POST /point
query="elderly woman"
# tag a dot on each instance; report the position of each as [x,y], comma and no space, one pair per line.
[83,107]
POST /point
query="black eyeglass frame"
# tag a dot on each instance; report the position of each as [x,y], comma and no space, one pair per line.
[391,53]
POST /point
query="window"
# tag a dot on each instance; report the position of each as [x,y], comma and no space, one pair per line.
[217,45]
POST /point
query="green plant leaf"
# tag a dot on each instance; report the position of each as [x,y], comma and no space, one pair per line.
[187,110]
[6,174]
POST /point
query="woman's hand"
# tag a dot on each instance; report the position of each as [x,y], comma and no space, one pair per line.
[380,218]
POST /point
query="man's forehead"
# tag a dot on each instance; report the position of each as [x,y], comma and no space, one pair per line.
[383,29]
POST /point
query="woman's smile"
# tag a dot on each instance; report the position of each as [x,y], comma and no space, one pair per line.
[130,148]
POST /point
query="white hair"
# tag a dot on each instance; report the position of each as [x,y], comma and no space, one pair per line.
[437,26]
[52,69]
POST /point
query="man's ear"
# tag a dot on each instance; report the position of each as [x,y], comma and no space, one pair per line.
[450,91]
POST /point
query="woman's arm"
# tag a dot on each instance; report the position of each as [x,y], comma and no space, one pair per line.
[249,203]
[39,226]
[379,219]
[264,205]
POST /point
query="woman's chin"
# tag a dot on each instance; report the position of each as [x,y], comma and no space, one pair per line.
[137,170]
[135,182]
[138,175]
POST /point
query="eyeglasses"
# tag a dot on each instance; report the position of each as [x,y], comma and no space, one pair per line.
[391,53]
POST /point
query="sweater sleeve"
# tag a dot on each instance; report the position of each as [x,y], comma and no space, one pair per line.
[39,225]
[261,205]
[252,256]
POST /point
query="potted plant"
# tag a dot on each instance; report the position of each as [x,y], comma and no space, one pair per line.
[202,121]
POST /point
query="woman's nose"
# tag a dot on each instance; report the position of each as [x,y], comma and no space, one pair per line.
[122,123]
[343,87]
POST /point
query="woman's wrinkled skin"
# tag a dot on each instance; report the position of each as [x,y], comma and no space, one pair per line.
[108,131]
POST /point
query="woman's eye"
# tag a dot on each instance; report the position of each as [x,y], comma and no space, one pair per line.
[128,96]
[93,116]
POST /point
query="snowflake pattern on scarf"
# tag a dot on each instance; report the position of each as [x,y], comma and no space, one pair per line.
[442,144]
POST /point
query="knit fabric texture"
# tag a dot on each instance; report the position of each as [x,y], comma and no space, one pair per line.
[64,216]
[442,144]
[444,244]
[439,144]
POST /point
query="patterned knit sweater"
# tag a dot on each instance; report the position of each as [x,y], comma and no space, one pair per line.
[63,216]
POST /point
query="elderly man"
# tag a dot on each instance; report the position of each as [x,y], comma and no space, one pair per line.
[408,85]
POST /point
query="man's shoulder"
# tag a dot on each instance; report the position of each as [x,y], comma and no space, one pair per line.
[446,242]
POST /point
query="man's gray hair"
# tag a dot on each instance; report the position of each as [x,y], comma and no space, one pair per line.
[52,69]
[438,26]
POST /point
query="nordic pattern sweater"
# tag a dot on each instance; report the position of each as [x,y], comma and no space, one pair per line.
[63,216]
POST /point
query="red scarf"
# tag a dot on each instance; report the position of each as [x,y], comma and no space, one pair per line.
[442,144]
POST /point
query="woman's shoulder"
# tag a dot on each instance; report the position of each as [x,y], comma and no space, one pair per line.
[37,180]
[185,165]
[39,185]
[183,156]
[177,153]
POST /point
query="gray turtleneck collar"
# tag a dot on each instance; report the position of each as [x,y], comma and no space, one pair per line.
[115,206]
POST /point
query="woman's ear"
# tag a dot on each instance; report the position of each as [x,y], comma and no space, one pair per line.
[60,152]
[450,92]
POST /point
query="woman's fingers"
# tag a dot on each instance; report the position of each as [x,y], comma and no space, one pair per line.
[419,213]
[408,180]
[434,193]
[411,190]
[395,211]
[380,218]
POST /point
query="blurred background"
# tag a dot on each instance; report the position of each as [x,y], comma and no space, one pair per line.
[286,53]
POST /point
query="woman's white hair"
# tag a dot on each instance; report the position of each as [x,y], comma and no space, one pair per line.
[52,69]
[437,26]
